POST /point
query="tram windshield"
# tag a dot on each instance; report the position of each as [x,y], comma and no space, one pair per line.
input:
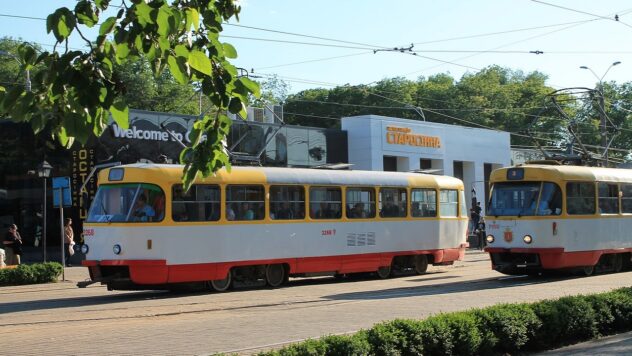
[129,202]
[525,199]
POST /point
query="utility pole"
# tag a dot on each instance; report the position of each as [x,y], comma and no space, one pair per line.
[603,127]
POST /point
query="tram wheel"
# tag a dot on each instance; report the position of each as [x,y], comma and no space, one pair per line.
[384,272]
[588,271]
[421,264]
[222,285]
[275,275]
[617,263]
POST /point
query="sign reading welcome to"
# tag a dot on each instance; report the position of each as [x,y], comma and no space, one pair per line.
[403,136]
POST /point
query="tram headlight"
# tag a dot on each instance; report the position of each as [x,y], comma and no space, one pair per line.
[85,249]
[490,239]
[116,249]
[527,239]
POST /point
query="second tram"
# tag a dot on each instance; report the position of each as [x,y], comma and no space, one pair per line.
[544,217]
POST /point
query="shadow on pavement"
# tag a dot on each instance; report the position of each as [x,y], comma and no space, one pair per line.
[446,288]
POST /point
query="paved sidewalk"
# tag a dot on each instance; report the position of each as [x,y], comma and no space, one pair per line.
[612,345]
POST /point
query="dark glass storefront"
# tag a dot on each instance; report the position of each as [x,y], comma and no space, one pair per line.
[21,190]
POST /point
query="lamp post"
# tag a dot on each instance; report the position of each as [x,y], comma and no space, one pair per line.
[27,82]
[43,171]
[602,108]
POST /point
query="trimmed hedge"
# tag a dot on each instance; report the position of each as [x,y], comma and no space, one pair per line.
[500,329]
[31,274]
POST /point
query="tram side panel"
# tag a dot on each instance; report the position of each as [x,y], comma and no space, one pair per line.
[169,254]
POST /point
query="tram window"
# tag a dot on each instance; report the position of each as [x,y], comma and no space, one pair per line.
[287,202]
[200,203]
[245,202]
[392,202]
[360,203]
[325,202]
[424,203]
[550,200]
[448,202]
[127,202]
[462,205]
[580,198]
[608,198]
[626,198]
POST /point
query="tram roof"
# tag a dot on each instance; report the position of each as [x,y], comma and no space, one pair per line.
[571,173]
[171,173]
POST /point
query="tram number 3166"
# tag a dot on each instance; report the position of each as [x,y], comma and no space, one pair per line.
[329,232]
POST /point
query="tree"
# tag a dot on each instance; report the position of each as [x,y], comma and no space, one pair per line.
[76,91]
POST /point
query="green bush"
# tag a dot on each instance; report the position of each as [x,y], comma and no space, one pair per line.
[31,274]
[507,327]
[348,345]
[464,336]
[500,329]
[392,338]
[620,305]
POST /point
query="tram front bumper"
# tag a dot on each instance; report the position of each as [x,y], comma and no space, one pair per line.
[507,260]
[135,271]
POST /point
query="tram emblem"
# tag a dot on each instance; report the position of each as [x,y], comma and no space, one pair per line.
[508,235]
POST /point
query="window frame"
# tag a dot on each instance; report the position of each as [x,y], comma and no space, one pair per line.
[372,203]
[236,212]
[625,198]
[412,202]
[616,198]
[455,203]
[217,203]
[271,201]
[594,197]
[402,214]
[313,213]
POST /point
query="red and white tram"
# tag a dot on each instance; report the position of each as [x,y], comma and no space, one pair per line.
[144,231]
[550,217]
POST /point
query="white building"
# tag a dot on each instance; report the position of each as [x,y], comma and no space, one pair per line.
[383,143]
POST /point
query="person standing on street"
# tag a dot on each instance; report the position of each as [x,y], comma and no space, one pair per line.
[13,245]
[69,240]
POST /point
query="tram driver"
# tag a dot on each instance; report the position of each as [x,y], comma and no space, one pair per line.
[143,212]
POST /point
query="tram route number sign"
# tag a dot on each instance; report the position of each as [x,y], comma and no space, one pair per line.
[62,184]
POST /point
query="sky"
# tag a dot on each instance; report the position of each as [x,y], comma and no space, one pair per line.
[312,44]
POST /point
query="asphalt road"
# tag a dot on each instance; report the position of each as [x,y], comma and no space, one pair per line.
[62,319]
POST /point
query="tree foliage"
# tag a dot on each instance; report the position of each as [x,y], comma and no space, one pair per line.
[76,91]
[495,97]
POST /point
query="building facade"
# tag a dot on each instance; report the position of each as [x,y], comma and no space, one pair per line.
[383,143]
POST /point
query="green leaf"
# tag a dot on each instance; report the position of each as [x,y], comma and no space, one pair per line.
[252,86]
[120,114]
[200,62]
[63,22]
[76,125]
[144,13]
[193,19]
[63,138]
[181,51]
[229,50]
[85,13]
[237,107]
[102,4]
[122,51]
[165,21]
[107,26]
[178,69]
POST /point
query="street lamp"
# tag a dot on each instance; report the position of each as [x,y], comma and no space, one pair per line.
[27,82]
[43,171]
[602,107]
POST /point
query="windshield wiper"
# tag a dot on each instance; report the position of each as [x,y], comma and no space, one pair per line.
[108,217]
